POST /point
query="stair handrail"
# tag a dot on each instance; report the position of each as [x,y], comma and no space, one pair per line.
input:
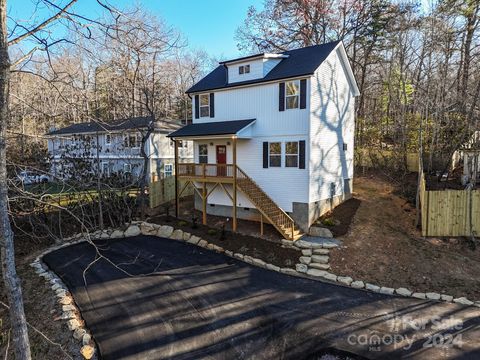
[289,221]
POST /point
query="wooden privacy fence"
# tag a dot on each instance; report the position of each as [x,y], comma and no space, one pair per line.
[163,191]
[449,212]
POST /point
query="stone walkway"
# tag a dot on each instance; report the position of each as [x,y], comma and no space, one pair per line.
[157,298]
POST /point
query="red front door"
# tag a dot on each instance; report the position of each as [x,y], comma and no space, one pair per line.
[221,160]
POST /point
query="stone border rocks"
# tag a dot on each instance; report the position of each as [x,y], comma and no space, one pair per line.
[314,262]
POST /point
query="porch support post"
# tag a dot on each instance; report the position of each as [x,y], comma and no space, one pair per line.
[234,208]
[177,202]
[204,203]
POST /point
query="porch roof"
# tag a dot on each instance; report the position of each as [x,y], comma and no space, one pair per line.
[212,129]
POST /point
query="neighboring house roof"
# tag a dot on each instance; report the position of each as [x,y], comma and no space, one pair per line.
[300,62]
[119,125]
[212,128]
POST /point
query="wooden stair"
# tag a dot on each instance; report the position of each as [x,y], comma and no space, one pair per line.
[269,209]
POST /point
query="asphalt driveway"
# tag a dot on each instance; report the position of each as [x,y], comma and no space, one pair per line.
[153,298]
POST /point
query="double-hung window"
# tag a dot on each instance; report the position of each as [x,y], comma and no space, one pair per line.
[168,170]
[292,94]
[275,154]
[291,154]
[244,69]
[108,139]
[127,168]
[204,105]
[203,154]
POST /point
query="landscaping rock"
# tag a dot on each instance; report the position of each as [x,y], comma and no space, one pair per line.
[202,243]
[288,271]
[307,252]
[86,339]
[320,232]
[476,303]
[302,268]
[56,286]
[73,324]
[307,245]
[210,246]
[194,240]
[132,230]
[68,307]
[248,259]
[346,280]
[259,262]
[148,229]
[66,300]
[165,231]
[105,235]
[386,290]
[238,256]
[463,300]
[68,315]
[432,296]
[177,235]
[316,272]
[117,234]
[78,333]
[419,295]
[330,276]
[319,266]
[321,259]
[329,245]
[186,236]
[61,293]
[445,297]
[218,248]
[358,284]
[87,351]
[272,267]
[229,253]
[403,292]
[305,260]
[321,251]
[372,287]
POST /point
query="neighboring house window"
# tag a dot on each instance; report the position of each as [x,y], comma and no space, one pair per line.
[291,154]
[132,140]
[203,154]
[275,154]
[292,94]
[168,170]
[105,169]
[108,139]
[204,105]
[345,147]
[127,168]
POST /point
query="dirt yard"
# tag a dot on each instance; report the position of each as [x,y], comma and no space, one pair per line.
[382,246]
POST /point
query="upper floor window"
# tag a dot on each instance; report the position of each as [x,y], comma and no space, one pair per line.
[291,154]
[204,105]
[275,154]
[132,140]
[292,94]
[203,154]
[244,69]
[108,139]
[168,170]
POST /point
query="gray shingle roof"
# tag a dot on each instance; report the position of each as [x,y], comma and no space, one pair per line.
[211,128]
[300,62]
[119,125]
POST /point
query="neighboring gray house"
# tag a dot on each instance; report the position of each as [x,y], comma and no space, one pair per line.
[118,148]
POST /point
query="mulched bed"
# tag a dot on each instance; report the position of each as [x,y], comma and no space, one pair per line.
[342,215]
[269,251]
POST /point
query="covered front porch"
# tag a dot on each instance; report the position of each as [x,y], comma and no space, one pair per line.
[216,170]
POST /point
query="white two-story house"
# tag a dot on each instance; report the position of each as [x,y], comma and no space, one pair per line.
[115,148]
[274,135]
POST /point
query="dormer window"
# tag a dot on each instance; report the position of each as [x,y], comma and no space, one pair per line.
[244,69]
[204,105]
[292,94]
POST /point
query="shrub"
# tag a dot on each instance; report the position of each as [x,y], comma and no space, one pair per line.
[328,222]
[212,232]
[182,223]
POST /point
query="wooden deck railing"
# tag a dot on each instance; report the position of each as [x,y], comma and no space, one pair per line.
[205,170]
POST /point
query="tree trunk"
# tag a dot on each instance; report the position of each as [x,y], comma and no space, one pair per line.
[10,277]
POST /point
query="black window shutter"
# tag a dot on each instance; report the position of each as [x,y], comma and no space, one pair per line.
[197,106]
[281,96]
[212,104]
[301,154]
[303,93]
[265,155]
